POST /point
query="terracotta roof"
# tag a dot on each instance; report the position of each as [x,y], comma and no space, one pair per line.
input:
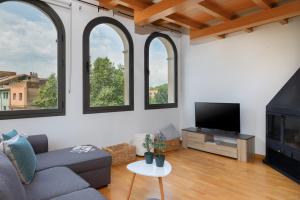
[8,79]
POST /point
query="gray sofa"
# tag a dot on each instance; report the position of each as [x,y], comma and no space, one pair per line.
[60,174]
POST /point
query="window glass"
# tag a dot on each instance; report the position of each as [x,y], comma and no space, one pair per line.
[161,72]
[108,79]
[160,63]
[29,58]
[107,68]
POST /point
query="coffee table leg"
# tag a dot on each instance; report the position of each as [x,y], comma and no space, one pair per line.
[131,186]
[162,195]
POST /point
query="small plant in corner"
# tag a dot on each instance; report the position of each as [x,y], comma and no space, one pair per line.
[148,145]
[160,147]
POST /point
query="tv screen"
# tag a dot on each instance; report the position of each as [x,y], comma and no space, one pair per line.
[221,116]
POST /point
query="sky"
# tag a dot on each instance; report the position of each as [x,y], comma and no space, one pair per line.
[158,64]
[28,44]
[27,40]
[106,42]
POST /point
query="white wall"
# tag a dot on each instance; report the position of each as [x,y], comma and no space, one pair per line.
[247,68]
[98,129]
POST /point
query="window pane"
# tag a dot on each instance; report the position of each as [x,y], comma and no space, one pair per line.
[109,67]
[28,58]
[161,67]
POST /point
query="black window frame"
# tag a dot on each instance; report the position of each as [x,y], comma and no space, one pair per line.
[149,106]
[61,67]
[86,67]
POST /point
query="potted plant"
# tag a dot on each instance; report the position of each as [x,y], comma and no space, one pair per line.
[160,147]
[148,145]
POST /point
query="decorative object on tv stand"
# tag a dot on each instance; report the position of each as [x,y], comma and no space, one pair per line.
[160,147]
[148,145]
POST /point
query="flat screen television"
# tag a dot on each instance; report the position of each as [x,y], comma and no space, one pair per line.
[220,116]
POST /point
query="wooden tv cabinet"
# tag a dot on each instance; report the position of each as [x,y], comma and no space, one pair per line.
[242,147]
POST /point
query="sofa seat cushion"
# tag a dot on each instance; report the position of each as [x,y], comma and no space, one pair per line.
[89,194]
[78,162]
[54,182]
[11,187]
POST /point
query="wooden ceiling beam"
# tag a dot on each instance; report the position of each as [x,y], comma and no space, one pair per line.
[160,10]
[218,13]
[214,11]
[134,4]
[221,36]
[141,5]
[110,4]
[262,4]
[248,30]
[284,21]
[267,16]
[184,21]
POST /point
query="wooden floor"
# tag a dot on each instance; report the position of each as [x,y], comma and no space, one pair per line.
[202,176]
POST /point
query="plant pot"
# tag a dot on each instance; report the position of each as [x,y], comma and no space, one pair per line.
[148,157]
[160,160]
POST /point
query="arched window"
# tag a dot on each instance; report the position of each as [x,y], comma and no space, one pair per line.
[32,60]
[160,72]
[107,67]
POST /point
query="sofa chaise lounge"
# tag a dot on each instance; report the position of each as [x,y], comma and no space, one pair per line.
[60,174]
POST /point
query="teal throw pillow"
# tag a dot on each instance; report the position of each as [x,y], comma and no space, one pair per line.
[9,135]
[21,154]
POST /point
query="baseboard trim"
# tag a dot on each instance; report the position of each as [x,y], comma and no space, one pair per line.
[259,157]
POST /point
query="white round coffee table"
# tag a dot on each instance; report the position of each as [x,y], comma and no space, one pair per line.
[141,168]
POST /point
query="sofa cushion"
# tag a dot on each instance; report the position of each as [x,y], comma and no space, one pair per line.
[54,182]
[21,154]
[39,143]
[11,187]
[78,162]
[89,194]
[170,132]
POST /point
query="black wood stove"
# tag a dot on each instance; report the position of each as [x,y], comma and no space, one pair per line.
[283,130]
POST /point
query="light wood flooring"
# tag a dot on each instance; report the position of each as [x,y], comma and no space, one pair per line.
[202,176]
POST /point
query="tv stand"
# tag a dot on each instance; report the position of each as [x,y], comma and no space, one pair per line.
[217,131]
[241,147]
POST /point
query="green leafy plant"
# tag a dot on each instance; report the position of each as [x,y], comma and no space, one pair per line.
[47,94]
[161,97]
[160,145]
[148,143]
[106,83]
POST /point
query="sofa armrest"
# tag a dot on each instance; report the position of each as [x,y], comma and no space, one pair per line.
[39,143]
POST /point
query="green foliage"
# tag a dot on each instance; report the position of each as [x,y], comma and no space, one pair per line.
[148,143]
[47,94]
[160,144]
[106,84]
[162,95]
